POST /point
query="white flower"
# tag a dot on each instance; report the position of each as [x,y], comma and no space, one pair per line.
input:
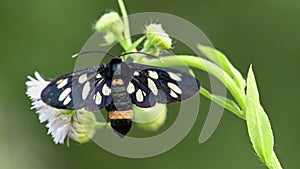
[79,125]
[60,127]
[59,124]
[35,86]
[46,113]
[34,90]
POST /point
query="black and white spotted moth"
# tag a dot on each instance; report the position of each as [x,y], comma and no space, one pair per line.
[118,85]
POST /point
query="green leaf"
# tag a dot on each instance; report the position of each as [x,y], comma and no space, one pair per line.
[221,60]
[259,127]
[135,44]
[275,164]
[223,101]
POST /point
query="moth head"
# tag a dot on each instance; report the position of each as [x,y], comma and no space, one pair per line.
[115,62]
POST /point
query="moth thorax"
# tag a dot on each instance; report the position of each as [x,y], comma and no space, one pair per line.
[118,70]
[117,81]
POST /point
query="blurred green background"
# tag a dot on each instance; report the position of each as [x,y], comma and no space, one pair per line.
[42,35]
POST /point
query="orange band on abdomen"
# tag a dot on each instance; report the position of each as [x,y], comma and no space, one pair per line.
[125,114]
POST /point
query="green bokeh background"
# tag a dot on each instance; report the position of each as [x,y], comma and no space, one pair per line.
[41,35]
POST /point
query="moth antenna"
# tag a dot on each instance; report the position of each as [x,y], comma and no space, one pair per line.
[93,51]
[142,53]
[129,53]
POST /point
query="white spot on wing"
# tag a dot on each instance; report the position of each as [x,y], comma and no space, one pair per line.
[64,94]
[173,94]
[58,82]
[175,88]
[106,90]
[82,78]
[100,82]
[98,76]
[62,83]
[152,74]
[130,88]
[174,76]
[85,90]
[67,100]
[136,73]
[98,98]
[139,96]
[152,86]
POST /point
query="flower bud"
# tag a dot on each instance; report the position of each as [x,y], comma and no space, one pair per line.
[150,118]
[83,126]
[157,37]
[110,21]
[112,25]
[109,38]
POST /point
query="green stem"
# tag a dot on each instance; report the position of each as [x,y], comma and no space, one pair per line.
[207,66]
[122,41]
[126,23]
[101,125]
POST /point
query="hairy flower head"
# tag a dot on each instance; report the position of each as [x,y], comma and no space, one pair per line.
[157,37]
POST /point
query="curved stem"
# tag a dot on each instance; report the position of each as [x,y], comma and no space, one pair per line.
[101,125]
[122,41]
[126,23]
[207,66]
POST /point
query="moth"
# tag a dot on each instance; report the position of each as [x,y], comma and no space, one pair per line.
[117,86]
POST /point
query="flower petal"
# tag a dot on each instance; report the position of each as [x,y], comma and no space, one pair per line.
[35,86]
